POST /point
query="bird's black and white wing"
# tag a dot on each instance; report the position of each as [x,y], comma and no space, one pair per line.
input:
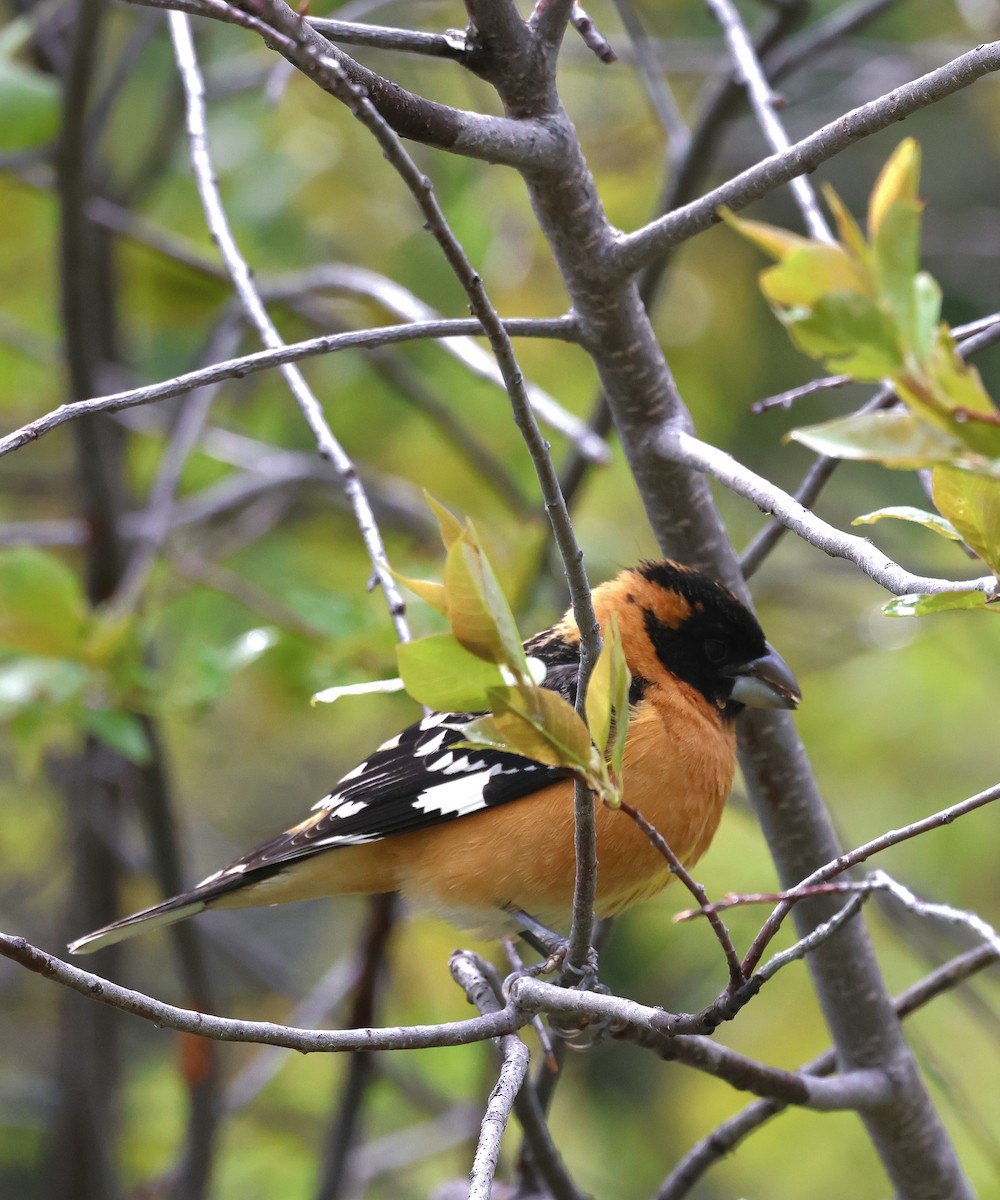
[420,777]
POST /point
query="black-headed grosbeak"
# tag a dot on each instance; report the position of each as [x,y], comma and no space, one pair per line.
[476,836]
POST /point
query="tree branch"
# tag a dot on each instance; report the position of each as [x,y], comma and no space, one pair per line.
[681,447]
[474,135]
[726,1137]
[262,360]
[226,1029]
[765,103]
[634,250]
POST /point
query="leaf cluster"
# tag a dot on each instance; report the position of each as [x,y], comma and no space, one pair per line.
[482,666]
[863,307]
[68,668]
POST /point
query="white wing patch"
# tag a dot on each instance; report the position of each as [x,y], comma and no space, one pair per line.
[456,797]
[347,808]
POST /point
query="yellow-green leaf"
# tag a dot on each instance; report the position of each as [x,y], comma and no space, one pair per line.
[971,503]
[811,272]
[42,607]
[922,605]
[430,592]
[478,610]
[896,259]
[849,333]
[778,243]
[542,726]
[621,681]
[956,399]
[599,700]
[847,227]
[451,527]
[899,180]
[895,439]
[919,516]
[472,623]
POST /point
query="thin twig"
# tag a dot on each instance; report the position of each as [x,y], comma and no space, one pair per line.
[857,1090]
[513,1069]
[215,216]
[262,360]
[476,980]
[880,880]
[592,37]
[765,103]
[736,976]
[860,854]
[451,44]
[812,939]
[787,398]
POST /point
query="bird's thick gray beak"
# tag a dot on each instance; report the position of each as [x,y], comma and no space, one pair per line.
[766,682]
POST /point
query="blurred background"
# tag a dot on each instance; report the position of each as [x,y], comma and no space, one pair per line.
[193,696]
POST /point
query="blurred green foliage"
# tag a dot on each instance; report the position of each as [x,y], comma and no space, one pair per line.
[251,612]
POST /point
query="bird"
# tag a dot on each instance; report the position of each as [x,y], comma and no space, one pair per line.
[485,838]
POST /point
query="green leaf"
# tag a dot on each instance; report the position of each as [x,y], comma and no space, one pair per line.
[42,608]
[896,439]
[599,701]
[926,317]
[960,403]
[971,503]
[621,681]
[122,731]
[919,516]
[30,682]
[29,107]
[920,605]
[607,696]
[896,257]
[439,672]
[849,333]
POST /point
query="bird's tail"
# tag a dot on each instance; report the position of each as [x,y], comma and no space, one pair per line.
[165,913]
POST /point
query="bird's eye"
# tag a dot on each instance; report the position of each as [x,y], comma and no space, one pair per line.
[716,650]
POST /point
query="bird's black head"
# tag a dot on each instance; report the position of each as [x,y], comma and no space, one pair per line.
[705,637]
